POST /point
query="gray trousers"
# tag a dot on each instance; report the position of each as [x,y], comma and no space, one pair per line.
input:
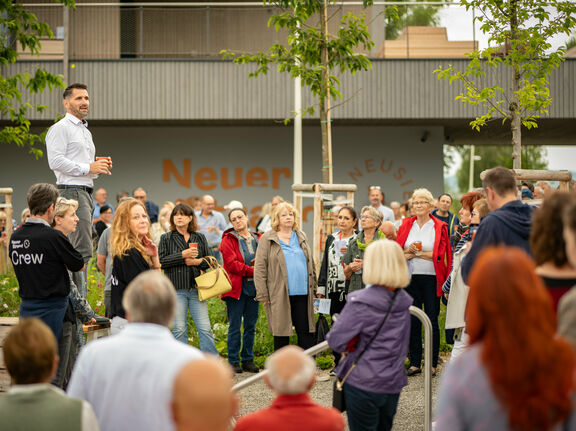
[82,238]
[67,350]
[108,303]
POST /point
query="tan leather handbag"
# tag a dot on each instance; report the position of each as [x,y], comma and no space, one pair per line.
[214,281]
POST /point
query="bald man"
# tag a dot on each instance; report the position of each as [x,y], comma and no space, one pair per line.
[203,399]
[388,229]
[291,375]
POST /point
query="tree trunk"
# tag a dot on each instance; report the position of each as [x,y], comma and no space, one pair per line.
[325,120]
[516,127]
[515,120]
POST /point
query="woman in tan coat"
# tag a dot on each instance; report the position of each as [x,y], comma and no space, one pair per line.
[285,279]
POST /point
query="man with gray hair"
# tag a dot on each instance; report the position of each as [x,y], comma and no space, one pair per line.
[291,374]
[128,378]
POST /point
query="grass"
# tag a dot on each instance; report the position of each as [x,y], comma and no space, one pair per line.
[263,343]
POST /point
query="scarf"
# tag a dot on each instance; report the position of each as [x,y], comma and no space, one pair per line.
[362,245]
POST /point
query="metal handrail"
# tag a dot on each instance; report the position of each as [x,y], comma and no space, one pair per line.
[321,347]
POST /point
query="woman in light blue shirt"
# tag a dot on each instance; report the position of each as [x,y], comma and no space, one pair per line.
[285,279]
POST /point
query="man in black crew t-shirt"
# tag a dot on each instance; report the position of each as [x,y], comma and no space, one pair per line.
[41,256]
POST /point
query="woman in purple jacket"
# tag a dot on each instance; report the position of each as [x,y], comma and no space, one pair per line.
[372,389]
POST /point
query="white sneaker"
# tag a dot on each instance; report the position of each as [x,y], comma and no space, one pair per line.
[321,376]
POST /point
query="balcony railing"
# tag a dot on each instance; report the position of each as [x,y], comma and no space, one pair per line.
[114,30]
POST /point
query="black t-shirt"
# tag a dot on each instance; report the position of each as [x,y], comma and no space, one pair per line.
[124,270]
[41,256]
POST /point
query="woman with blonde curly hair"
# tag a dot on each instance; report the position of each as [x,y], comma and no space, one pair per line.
[133,252]
[285,278]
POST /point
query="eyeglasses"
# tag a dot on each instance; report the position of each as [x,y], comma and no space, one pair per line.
[367,216]
[375,188]
[419,203]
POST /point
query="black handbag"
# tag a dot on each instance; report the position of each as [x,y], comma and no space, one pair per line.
[322,329]
[337,390]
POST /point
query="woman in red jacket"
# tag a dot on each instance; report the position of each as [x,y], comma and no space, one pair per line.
[238,249]
[426,247]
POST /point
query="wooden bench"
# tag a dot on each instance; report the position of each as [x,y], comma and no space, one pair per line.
[92,332]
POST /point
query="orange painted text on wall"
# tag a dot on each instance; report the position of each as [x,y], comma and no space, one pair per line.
[209,178]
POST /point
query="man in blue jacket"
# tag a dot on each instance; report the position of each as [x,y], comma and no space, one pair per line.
[509,221]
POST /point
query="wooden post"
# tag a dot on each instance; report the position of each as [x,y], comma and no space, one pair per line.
[562,176]
[317,226]
[350,198]
[318,190]
[7,208]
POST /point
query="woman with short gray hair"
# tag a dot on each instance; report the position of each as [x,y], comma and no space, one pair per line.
[371,219]
[426,245]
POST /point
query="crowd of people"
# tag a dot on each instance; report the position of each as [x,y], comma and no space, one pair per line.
[505,270]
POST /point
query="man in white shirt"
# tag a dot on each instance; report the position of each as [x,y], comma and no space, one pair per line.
[71,155]
[376,198]
[32,403]
[211,224]
[128,378]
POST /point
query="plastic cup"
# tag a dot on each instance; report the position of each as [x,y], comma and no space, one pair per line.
[418,245]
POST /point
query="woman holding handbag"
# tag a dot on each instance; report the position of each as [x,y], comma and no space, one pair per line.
[238,249]
[372,333]
[181,251]
[132,251]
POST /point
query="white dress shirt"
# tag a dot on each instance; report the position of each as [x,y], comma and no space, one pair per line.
[70,151]
[128,377]
[426,235]
[89,422]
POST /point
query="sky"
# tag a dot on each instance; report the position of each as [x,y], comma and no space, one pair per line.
[459,26]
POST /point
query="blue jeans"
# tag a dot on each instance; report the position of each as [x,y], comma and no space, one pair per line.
[243,307]
[188,300]
[369,411]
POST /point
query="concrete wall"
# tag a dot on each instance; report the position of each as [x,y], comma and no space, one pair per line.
[250,164]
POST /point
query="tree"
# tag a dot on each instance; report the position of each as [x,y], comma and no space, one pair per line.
[19,26]
[314,54]
[534,158]
[519,32]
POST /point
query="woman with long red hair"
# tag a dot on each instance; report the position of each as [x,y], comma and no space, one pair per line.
[516,374]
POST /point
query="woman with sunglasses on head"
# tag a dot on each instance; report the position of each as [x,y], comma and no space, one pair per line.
[181,251]
[238,249]
[426,246]
[78,310]
[371,219]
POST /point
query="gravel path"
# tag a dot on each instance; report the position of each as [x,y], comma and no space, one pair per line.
[409,417]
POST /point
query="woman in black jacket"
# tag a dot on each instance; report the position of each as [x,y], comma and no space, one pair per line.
[181,252]
[133,252]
